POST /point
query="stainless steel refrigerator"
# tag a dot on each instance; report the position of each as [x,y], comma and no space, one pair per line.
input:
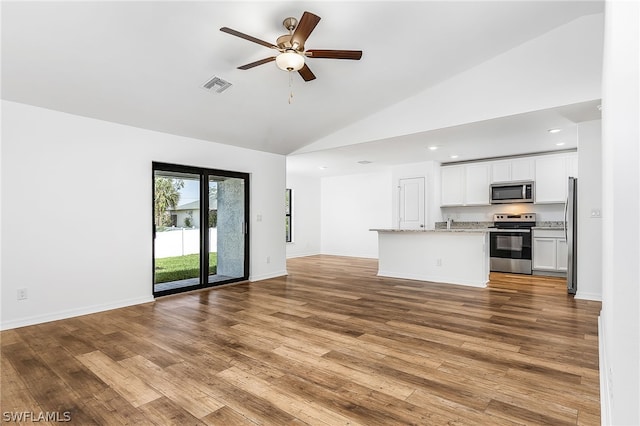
[571,232]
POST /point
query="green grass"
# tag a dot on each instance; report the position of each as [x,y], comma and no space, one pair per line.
[182,267]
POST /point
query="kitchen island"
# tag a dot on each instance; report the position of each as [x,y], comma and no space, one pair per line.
[454,256]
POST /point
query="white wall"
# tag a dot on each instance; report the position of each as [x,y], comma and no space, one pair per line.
[64,177]
[351,205]
[589,238]
[305,215]
[620,319]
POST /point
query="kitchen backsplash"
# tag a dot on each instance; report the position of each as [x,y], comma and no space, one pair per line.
[544,212]
[482,225]
[464,225]
[550,224]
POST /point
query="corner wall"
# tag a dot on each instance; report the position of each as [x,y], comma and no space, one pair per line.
[77,210]
[351,205]
[589,238]
[620,318]
[305,214]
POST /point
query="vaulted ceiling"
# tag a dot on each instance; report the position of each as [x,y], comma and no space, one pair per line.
[143,63]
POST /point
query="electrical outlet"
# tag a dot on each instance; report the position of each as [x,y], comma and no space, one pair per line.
[22,294]
[438,262]
[268,259]
[596,213]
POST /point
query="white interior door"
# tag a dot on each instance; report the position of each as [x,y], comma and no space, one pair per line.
[411,199]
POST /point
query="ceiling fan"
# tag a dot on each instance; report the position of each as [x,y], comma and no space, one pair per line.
[291,47]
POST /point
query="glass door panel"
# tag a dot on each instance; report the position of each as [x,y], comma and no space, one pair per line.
[226,234]
[177,230]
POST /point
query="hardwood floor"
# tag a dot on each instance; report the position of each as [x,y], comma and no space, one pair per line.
[329,344]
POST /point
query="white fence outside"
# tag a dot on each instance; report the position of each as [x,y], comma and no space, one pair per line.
[182,241]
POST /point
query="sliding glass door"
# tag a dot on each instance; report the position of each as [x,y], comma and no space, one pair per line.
[200,228]
[227,228]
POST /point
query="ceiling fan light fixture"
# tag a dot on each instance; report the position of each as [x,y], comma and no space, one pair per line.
[290,60]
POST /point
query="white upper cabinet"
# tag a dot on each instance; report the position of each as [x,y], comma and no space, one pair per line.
[552,173]
[572,166]
[522,169]
[477,185]
[500,171]
[453,184]
[468,184]
[512,170]
[465,185]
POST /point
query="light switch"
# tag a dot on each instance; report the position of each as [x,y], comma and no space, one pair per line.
[595,213]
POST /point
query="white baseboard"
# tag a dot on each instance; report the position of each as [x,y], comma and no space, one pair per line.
[434,279]
[70,313]
[294,255]
[356,255]
[605,401]
[588,296]
[253,278]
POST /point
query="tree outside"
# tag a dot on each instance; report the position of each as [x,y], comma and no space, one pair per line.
[167,196]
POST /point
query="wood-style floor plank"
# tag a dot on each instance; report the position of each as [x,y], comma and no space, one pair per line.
[331,343]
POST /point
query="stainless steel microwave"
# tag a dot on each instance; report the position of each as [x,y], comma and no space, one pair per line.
[511,192]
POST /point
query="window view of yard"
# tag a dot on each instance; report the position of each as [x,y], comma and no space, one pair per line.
[182,267]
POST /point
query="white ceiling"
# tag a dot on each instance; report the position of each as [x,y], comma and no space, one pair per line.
[142,64]
[506,136]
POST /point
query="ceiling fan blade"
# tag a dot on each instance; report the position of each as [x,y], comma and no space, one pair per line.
[307,23]
[306,73]
[248,37]
[256,63]
[334,54]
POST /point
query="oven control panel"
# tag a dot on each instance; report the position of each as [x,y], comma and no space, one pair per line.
[505,217]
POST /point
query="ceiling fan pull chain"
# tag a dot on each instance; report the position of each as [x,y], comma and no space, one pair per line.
[290,88]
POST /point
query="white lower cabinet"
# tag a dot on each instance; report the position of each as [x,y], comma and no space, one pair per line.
[562,254]
[549,252]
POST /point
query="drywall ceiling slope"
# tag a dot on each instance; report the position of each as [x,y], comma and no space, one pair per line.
[561,67]
[142,63]
[504,136]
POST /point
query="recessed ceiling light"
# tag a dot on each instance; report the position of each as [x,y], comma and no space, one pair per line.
[365,162]
[560,144]
[554,130]
[433,148]
[453,156]
[323,167]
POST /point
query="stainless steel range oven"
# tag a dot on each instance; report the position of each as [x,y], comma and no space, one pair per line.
[510,243]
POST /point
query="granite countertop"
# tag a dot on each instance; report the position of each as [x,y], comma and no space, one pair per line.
[555,228]
[464,225]
[549,225]
[477,230]
[473,227]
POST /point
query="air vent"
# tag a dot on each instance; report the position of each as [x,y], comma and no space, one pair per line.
[216,84]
